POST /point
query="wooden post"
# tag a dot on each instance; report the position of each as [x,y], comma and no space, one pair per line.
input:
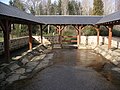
[78,28]
[60,29]
[30,36]
[41,34]
[6,27]
[110,36]
[79,35]
[61,38]
[98,34]
[59,32]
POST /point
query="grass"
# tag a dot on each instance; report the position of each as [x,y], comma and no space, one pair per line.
[1,39]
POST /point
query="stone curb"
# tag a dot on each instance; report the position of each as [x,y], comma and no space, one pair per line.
[111,55]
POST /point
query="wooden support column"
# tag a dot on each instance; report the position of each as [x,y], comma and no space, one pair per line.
[30,36]
[78,28]
[41,32]
[60,29]
[79,36]
[6,27]
[60,35]
[110,36]
[98,34]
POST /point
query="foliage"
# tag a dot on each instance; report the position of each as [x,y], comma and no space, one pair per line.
[89,31]
[1,36]
[18,4]
[67,33]
[74,7]
[103,31]
[116,33]
[98,7]
[59,7]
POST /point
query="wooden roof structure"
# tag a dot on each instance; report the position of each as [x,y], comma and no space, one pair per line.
[16,16]
[111,19]
[69,19]
[10,15]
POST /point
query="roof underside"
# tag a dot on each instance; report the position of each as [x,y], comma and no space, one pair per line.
[110,18]
[16,15]
[70,19]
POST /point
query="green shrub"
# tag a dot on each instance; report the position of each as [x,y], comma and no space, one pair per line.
[89,31]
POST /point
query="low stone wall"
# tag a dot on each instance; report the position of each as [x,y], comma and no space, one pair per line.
[112,55]
[15,43]
[47,39]
[110,70]
[25,66]
[85,40]
[90,42]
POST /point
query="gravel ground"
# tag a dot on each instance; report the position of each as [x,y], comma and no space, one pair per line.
[69,72]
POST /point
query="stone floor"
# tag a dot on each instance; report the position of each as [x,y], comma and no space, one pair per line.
[71,71]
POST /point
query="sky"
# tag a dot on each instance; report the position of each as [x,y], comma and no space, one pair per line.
[7,1]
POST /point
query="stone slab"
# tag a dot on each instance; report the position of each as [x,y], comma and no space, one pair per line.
[116,69]
[13,66]
[20,71]
[24,60]
[37,58]
[2,75]
[13,78]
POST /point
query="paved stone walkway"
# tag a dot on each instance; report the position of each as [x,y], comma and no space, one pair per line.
[70,72]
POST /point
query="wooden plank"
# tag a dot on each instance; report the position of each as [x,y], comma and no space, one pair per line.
[69,36]
[69,40]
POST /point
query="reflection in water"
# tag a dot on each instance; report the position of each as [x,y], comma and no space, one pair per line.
[87,58]
[77,57]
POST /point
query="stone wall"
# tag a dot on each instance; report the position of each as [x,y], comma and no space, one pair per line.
[25,66]
[89,42]
[47,39]
[85,40]
[15,43]
[112,54]
[92,40]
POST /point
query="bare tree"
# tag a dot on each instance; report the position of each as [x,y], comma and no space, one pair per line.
[64,7]
[117,5]
[48,7]
[109,6]
[32,4]
[86,7]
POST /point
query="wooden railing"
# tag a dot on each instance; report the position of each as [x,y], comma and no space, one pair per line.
[69,39]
